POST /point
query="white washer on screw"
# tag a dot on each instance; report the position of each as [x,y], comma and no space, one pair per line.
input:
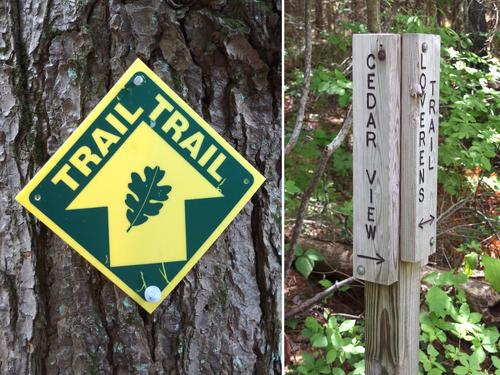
[152,294]
[138,80]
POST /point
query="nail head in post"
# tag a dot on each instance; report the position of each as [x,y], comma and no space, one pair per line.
[152,294]
[424,47]
[381,54]
[360,270]
[138,80]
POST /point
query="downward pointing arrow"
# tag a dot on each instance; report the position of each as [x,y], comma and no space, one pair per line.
[422,222]
[379,258]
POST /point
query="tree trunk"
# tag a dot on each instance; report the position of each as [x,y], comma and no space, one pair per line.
[320,16]
[373,15]
[57,313]
[476,25]
[357,14]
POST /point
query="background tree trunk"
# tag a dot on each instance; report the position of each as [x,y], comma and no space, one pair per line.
[373,15]
[357,11]
[475,24]
[319,16]
[57,313]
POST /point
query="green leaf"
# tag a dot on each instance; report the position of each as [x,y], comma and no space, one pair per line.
[461,370]
[432,351]
[478,356]
[446,278]
[313,255]
[489,338]
[291,188]
[475,317]
[470,262]
[325,283]
[331,356]
[147,197]
[347,325]
[496,361]
[438,301]
[338,371]
[319,341]
[422,357]
[336,340]
[308,359]
[304,266]
[312,324]
[492,271]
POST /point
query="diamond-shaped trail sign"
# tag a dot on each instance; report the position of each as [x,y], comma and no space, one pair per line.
[142,188]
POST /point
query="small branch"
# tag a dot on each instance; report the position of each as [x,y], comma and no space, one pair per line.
[450,211]
[304,201]
[439,234]
[350,316]
[390,20]
[318,297]
[299,121]
[485,218]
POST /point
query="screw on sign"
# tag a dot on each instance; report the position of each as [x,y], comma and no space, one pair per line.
[142,188]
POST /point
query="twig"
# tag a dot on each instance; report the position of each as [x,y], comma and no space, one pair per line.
[318,297]
[439,234]
[350,316]
[457,206]
[299,121]
[485,218]
[304,201]
[388,23]
[446,256]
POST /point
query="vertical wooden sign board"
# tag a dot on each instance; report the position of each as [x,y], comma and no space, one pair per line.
[376,93]
[419,143]
[388,70]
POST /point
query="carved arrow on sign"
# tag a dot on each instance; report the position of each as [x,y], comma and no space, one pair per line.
[379,258]
[428,221]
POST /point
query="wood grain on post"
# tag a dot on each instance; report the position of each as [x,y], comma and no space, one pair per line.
[419,144]
[392,324]
[376,124]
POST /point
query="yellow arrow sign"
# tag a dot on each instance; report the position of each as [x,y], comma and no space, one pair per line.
[142,188]
[167,228]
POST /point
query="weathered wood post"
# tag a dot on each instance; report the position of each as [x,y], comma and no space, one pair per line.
[395,117]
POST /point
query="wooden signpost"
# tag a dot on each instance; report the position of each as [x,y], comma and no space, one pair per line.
[395,125]
[419,132]
[376,156]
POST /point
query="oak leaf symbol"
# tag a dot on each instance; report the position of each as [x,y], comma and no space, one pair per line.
[148,196]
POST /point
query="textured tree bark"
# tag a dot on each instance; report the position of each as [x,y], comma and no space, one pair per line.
[373,15]
[319,16]
[357,13]
[475,24]
[58,59]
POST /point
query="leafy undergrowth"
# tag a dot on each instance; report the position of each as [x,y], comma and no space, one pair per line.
[453,340]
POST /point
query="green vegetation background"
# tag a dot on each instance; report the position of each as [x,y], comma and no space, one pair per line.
[453,339]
